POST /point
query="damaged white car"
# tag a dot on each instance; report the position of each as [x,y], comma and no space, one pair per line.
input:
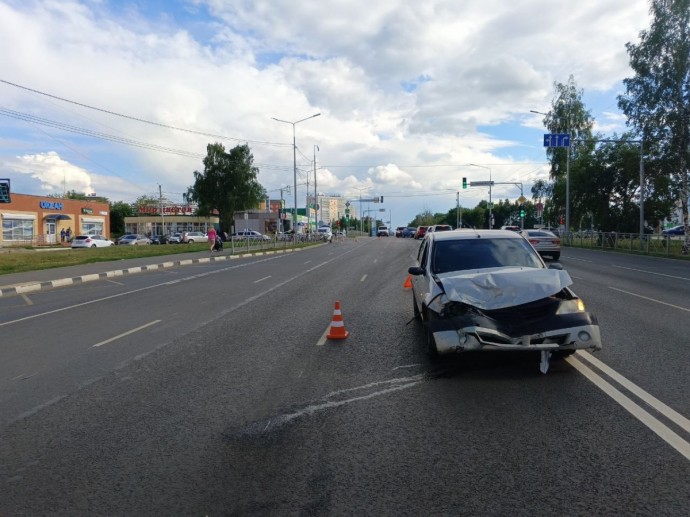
[490,290]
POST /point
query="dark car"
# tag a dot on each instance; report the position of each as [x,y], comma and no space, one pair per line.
[399,230]
[409,232]
[489,290]
[676,230]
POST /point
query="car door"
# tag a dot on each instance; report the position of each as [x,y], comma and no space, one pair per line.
[420,283]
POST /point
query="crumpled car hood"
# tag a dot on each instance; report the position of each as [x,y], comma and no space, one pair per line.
[505,287]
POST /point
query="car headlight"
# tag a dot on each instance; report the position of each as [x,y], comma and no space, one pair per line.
[571,306]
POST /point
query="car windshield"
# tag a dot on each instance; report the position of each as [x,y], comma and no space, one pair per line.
[466,254]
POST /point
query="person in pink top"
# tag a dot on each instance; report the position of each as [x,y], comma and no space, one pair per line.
[212,237]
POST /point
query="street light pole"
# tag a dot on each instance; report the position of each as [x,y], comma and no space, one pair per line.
[316,194]
[294,165]
[491,215]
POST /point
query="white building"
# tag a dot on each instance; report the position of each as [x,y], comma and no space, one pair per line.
[331,207]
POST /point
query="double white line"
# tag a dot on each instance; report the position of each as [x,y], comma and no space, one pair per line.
[657,426]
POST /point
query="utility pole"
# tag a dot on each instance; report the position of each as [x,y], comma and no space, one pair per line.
[160,203]
[316,195]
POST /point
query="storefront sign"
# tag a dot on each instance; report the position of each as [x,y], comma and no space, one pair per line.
[50,205]
[168,210]
[87,210]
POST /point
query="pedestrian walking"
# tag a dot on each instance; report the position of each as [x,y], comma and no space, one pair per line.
[62,235]
[212,237]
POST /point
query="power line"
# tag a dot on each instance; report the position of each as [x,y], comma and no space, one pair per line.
[202,133]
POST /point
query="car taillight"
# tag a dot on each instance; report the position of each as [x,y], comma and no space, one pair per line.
[88,240]
[557,241]
[534,241]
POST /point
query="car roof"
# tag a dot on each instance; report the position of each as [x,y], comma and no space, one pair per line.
[468,233]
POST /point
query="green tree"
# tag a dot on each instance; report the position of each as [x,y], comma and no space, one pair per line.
[228,183]
[567,115]
[118,211]
[656,98]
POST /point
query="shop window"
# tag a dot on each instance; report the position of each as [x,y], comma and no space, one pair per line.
[17,229]
[92,229]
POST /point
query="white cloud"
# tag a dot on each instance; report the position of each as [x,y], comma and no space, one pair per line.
[398,84]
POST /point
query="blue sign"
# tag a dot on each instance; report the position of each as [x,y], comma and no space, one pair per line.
[51,205]
[557,140]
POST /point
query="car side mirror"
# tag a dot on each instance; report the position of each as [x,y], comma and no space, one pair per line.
[416,270]
[556,266]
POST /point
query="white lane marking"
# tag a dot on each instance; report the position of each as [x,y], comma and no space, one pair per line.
[653,273]
[652,401]
[114,282]
[115,338]
[27,299]
[308,261]
[376,260]
[660,429]
[322,339]
[133,291]
[651,299]
[363,278]
[262,279]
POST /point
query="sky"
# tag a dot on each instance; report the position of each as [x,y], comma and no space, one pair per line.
[121,98]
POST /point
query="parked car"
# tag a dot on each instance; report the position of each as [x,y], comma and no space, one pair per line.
[175,238]
[421,232]
[91,241]
[489,290]
[511,228]
[546,243]
[192,237]
[251,235]
[676,230]
[382,231]
[409,232]
[399,230]
[134,239]
[159,239]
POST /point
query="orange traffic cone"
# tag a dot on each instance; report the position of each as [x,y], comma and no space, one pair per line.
[337,330]
[408,282]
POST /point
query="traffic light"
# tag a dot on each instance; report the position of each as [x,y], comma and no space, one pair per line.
[522,211]
[464,182]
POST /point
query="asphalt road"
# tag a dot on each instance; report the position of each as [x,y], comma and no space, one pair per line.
[209,389]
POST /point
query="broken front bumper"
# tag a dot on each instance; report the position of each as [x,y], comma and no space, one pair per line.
[449,338]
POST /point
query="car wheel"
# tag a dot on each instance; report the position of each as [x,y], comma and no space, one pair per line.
[415,309]
[556,256]
[559,355]
[190,241]
[431,350]
[93,245]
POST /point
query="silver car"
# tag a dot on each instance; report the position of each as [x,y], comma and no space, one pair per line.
[134,239]
[545,242]
[490,290]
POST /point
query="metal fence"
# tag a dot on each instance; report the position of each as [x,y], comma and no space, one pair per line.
[647,244]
